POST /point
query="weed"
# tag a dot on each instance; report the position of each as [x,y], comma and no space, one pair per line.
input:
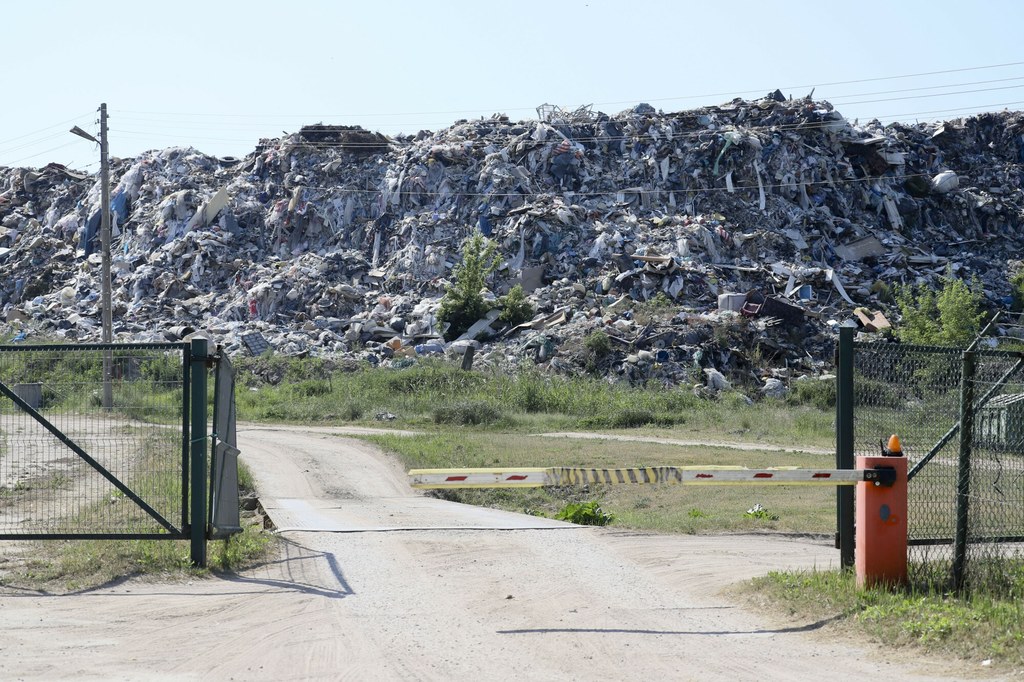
[585,514]
[759,512]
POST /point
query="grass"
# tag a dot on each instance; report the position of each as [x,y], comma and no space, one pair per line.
[429,393]
[984,626]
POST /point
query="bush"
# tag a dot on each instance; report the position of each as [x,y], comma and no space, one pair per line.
[470,413]
[598,349]
[817,393]
[351,411]
[1017,291]
[632,417]
[950,318]
[515,309]
[598,344]
[312,387]
[463,303]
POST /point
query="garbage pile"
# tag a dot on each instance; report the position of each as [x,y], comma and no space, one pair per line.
[724,245]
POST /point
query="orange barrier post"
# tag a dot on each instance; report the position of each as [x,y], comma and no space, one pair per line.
[881,550]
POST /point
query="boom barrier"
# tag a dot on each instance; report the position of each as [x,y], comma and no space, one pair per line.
[673,475]
[881,495]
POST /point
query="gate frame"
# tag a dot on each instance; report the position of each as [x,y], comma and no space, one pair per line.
[195,360]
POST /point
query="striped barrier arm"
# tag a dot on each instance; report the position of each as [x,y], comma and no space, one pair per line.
[684,475]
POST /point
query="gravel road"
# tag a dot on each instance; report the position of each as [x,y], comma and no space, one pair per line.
[377,582]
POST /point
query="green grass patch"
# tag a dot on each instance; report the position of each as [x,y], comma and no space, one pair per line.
[985,626]
[432,392]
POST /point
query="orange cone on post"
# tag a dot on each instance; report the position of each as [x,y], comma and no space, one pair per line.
[880,557]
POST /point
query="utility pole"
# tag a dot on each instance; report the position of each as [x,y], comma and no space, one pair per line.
[107,314]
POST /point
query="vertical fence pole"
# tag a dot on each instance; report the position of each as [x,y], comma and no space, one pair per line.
[844,446]
[186,416]
[963,487]
[198,452]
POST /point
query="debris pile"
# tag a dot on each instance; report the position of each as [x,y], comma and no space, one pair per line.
[724,244]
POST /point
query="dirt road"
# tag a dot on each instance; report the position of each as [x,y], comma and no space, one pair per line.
[462,594]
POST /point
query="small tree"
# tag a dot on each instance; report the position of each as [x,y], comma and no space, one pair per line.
[515,309]
[1017,291]
[950,318]
[463,302]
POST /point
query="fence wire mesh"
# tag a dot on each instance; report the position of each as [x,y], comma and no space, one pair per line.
[917,392]
[991,472]
[47,487]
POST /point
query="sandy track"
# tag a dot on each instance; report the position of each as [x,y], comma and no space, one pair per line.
[471,595]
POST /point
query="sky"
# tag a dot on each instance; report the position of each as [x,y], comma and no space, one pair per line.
[220,75]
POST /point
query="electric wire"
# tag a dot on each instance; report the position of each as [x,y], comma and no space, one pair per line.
[930,87]
[37,154]
[635,137]
[775,127]
[803,126]
[663,99]
[32,143]
[42,130]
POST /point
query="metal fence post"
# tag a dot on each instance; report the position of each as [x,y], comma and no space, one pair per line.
[963,487]
[844,446]
[198,452]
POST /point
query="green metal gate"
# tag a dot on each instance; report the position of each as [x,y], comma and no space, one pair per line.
[105,442]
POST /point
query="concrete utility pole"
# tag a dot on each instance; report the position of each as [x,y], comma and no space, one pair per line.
[107,313]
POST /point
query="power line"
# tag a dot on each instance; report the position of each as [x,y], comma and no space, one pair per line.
[47,151]
[42,130]
[804,126]
[943,94]
[32,143]
[212,126]
[979,109]
[663,99]
[834,98]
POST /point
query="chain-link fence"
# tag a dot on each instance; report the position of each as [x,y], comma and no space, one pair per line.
[966,488]
[92,441]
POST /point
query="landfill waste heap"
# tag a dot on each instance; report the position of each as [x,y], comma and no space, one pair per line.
[720,246]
